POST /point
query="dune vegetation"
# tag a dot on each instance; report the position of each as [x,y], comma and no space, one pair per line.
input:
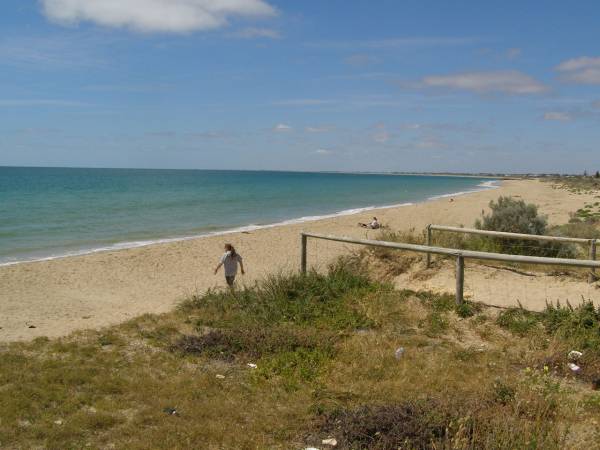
[295,360]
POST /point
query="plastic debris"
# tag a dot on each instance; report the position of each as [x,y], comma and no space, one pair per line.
[574,367]
[575,355]
[58,422]
[399,352]
[329,441]
[311,448]
[221,377]
[171,411]
[252,366]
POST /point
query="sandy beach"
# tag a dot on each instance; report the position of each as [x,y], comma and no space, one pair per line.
[54,298]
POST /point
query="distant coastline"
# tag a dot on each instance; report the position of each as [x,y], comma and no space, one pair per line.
[499,175]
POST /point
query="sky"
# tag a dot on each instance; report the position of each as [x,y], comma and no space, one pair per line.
[352,85]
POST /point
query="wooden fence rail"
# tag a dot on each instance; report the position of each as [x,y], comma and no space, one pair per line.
[460,256]
[592,243]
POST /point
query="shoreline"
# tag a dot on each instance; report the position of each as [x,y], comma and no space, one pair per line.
[57,297]
[127,245]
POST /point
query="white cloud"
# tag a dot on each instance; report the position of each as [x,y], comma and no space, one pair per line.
[282,127]
[558,116]
[507,82]
[253,33]
[584,70]
[323,151]
[584,62]
[168,16]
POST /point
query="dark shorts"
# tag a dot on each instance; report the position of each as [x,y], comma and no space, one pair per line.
[230,279]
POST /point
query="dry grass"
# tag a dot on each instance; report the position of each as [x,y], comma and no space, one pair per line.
[325,349]
[387,264]
[576,184]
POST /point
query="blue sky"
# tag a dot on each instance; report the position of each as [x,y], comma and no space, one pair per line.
[355,85]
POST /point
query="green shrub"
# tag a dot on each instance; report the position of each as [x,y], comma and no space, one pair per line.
[515,216]
[466,309]
[518,320]
[579,326]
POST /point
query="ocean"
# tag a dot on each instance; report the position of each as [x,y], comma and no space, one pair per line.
[54,212]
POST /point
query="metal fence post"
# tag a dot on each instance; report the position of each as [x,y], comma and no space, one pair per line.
[592,275]
[304,239]
[428,243]
[460,279]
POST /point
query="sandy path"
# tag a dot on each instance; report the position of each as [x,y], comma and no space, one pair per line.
[91,291]
[504,288]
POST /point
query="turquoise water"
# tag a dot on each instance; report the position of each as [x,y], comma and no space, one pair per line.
[50,212]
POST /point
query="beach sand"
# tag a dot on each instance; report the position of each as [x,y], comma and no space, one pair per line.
[54,298]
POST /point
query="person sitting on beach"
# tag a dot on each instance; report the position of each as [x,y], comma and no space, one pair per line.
[230,261]
[374,225]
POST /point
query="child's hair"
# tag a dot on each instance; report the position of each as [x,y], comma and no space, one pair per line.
[230,249]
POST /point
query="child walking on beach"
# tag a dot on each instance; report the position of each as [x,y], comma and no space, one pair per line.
[230,261]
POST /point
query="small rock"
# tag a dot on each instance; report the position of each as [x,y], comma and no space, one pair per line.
[399,352]
[329,441]
[221,377]
[32,326]
[58,422]
[574,355]
[252,366]
[24,423]
[574,367]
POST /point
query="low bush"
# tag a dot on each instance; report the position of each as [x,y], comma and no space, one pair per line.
[515,216]
[318,300]
[499,422]
[518,320]
[577,327]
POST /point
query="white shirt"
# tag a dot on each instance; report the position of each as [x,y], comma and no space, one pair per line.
[230,263]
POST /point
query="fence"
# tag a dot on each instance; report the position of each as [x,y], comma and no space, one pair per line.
[592,243]
[460,256]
